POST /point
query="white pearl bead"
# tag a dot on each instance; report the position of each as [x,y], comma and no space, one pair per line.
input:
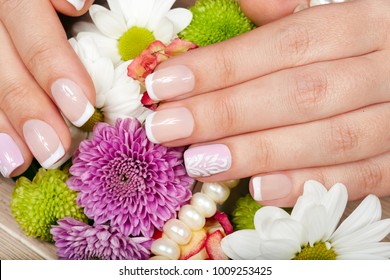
[204,204]
[230,183]
[217,192]
[191,217]
[177,231]
[166,247]
[159,258]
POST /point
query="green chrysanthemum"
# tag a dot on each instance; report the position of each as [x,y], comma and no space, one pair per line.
[38,204]
[244,213]
[215,21]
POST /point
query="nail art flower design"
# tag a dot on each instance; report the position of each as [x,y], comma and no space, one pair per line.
[311,231]
[128,27]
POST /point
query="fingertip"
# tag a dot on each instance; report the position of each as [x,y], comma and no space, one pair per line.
[72,8]
[265,11]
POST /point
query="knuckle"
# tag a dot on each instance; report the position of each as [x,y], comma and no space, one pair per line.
[371,175]
[342,138]
[224,62]
[225,115]
[293,42]
[39,55]
[264,155]
[9,8]
[12,93]
[309,92]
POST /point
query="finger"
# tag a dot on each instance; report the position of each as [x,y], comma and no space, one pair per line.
[300,39]
[72,7]
[265,11]
[349,137]
[293,96]
[44,49]
[369,176]
[15,157]
[29,110]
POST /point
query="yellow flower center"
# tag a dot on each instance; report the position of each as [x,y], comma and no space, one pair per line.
[134,41]
[319,251]
[95,118]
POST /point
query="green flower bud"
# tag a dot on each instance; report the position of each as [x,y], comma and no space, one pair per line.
[38,204]
[244,213]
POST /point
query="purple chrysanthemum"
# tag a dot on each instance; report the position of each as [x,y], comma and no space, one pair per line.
[76,240]
[128,181]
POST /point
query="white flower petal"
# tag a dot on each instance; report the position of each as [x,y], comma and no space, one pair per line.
[83,26]
[164,31]
[264,218]
[243,244]
[374,232]
[180,18]
[381,249]
[115,6]
[160,8]
[334,202]
[107,22]
[368,211]
[315,224]
[287,229]
[279,249]
[140,11]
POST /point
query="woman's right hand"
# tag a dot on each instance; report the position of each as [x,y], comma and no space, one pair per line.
[40,78]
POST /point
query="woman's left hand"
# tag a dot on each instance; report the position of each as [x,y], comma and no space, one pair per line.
[303,97]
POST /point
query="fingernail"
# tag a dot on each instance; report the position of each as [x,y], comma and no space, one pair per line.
[301,7]
[203,161]
[269,187]
[72,101]
[168,125]
[170,82]
[10,155]
[78,4]
[43,142]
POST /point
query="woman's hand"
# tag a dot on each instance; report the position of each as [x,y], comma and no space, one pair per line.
[303,97]
[40,78]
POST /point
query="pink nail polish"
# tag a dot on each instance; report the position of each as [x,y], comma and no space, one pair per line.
[72,101]
[43,142]
[170,82]
[10,155]
[207,160]
[168,125]
[269,187]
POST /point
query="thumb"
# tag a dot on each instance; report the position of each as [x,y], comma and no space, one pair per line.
[265,11]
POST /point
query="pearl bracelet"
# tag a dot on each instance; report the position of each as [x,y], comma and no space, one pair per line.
[191,217]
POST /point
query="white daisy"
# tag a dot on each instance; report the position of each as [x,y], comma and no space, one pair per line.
[117,95]
[310,231]
[129,26]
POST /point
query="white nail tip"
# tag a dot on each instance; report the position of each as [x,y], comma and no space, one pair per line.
[149,87]
[148,128]
[89,110]
[78,4]
[59,153]
[256,184]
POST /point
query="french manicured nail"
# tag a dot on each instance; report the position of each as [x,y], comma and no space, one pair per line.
[72,101]
[168,125]
[269,187]
[10,155]
[170,82]
[43,142]
[301,7]
[77,4]
[204,161]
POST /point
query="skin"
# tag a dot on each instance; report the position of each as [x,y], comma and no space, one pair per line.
[34,53]
[305,95]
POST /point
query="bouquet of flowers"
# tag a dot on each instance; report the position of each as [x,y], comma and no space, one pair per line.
[120,196]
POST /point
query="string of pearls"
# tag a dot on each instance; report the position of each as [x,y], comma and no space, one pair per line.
[191,217]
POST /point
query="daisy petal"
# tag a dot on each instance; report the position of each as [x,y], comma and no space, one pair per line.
[243,243]
[379,249]
[368,211]
[334,202]
[164,31]
[180,18]
[374,232]
[106,21]
[315,223]
[278,249]
[160,8]
[264,218]
[286,229]
[225,245]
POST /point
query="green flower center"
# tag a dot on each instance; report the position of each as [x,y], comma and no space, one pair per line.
[319,251]
[95,118]
[134,41]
